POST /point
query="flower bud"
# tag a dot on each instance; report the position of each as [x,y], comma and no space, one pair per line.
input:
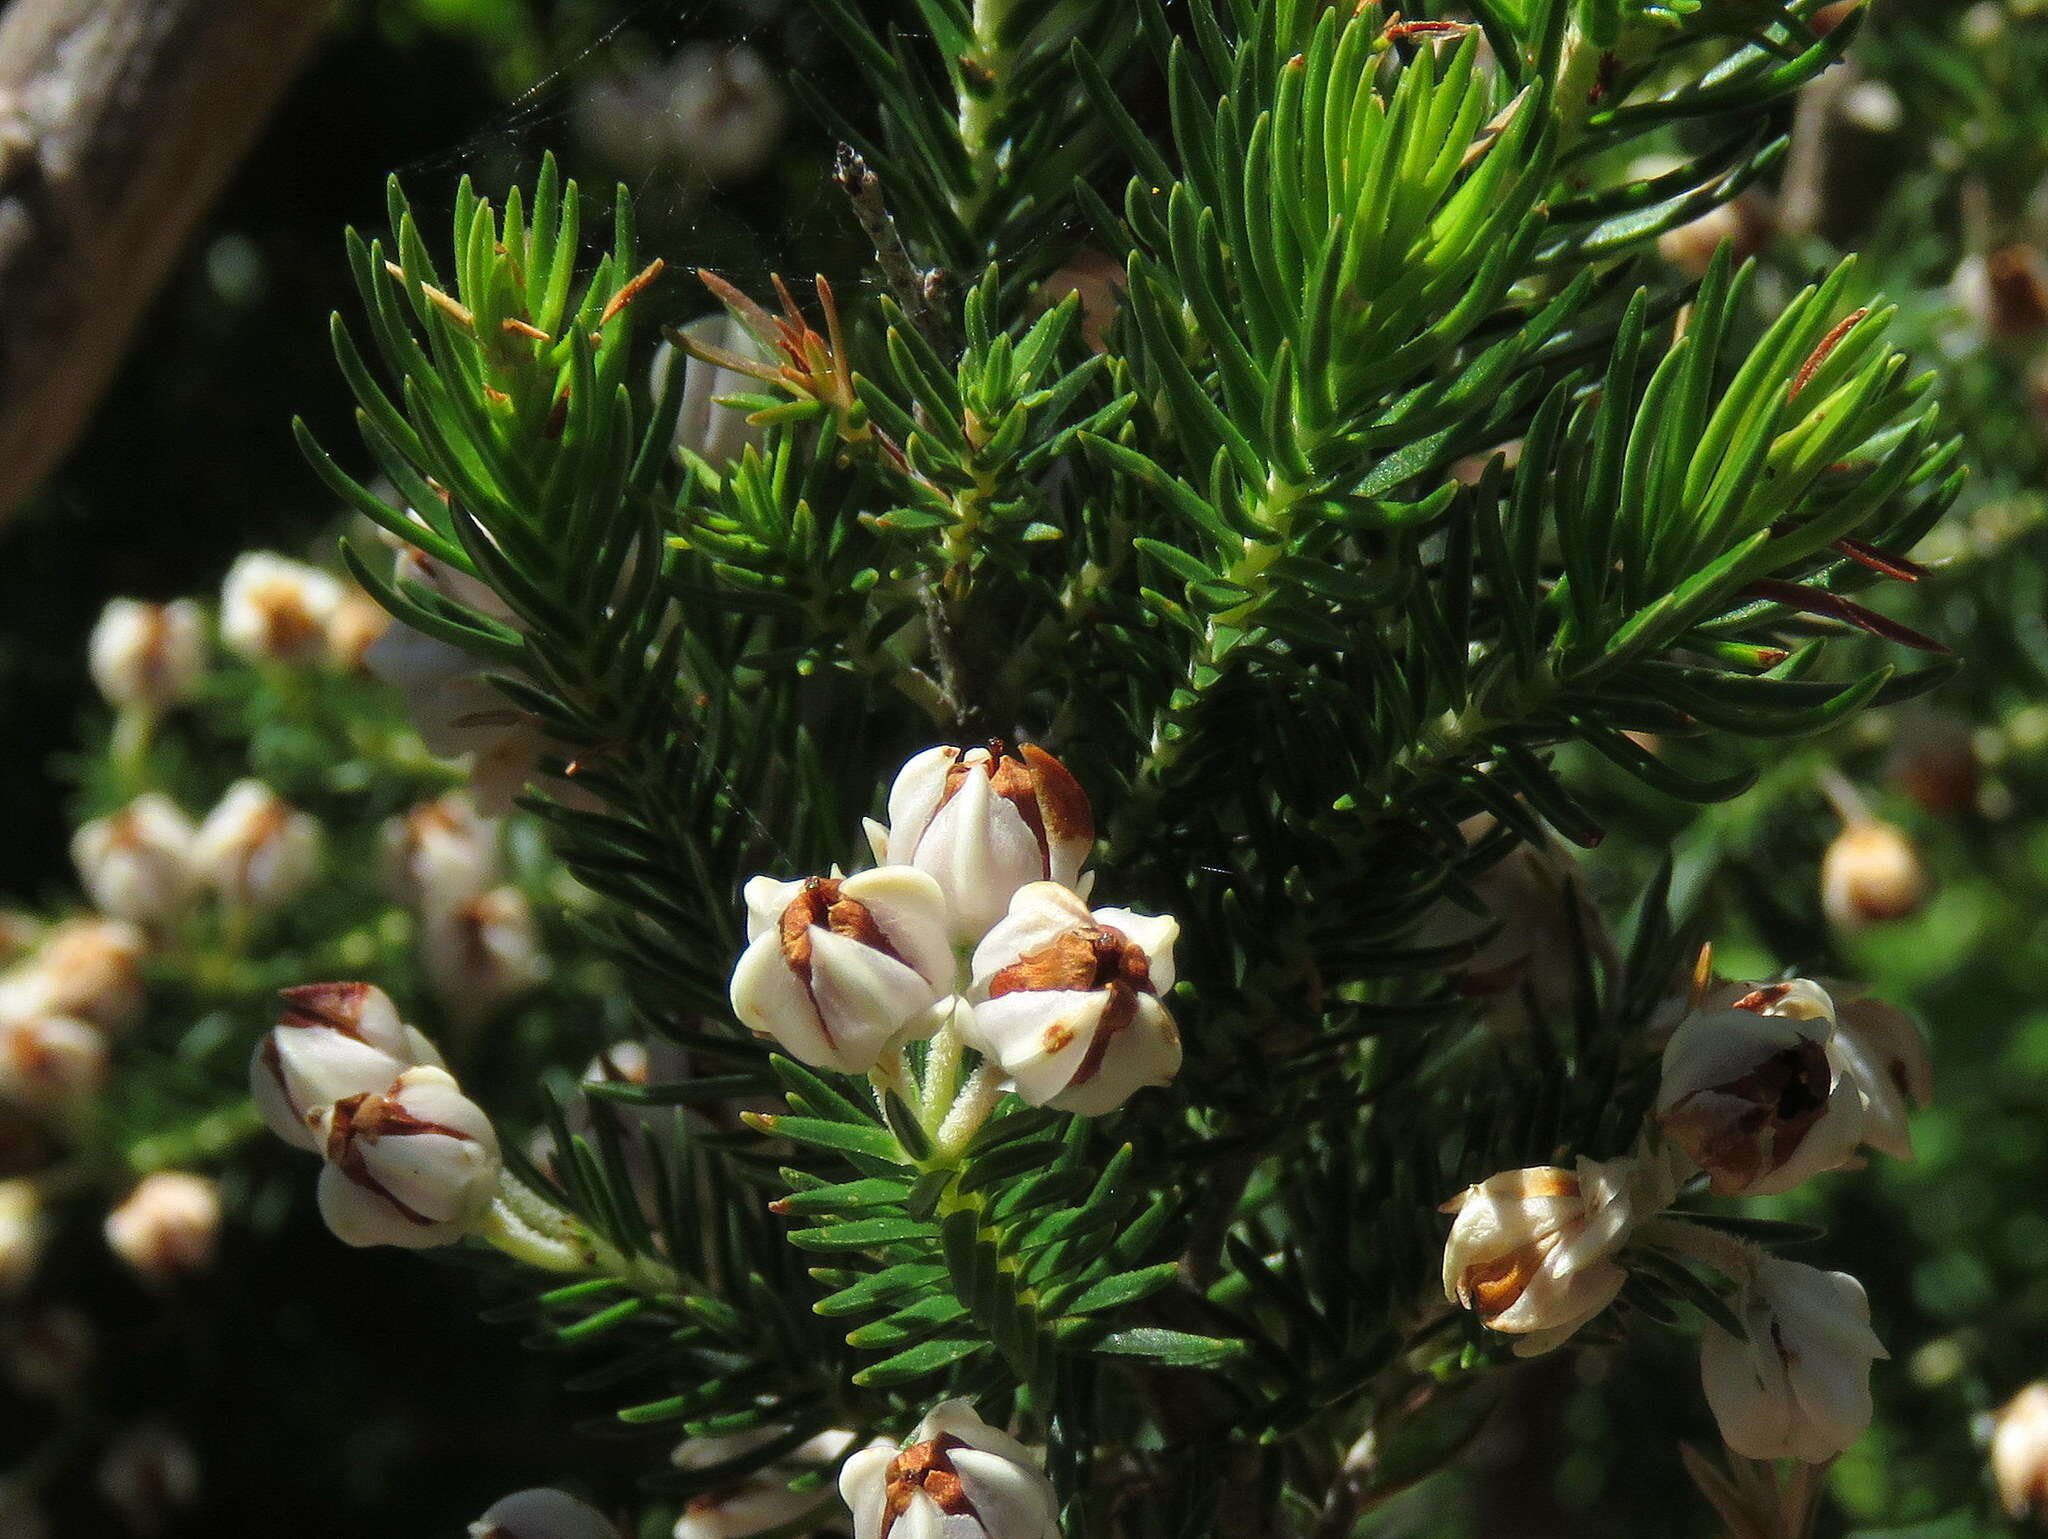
[2019,1453]
[1069,1001]
[481,953]
[1756,1093]
[256,851]
[762,1499]
[86,969]
[1871,873]
[957,1478]
[983,823]
[50,1061]
[148,657]
[840,970]
[148,1475]
[1881,1049]
[542,1513]
[355,626]
[23,1231]
[1532,1251]
[167,1226]
[334,1040]
[1796,1383]
[137,864]
[413,1165]
[440,854]
[274,610]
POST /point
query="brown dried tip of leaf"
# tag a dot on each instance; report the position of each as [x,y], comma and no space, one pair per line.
[1832,606]
[1863,553]
[1826,346]
[632,290]
[519,328]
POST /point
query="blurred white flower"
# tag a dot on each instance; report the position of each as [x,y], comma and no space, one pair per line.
[1796,1383]
[1871,873]
[277,610]
[137,863]
[355,626]
[1068,1001]
[714,111]
[413,1165]
[167,1226]
[256,850]
[148,656]
[440,854]
[86,969]
[956,1478]
[2019,1453]
[23,1231]
[762,1499]
[48,1062]
[481,953]
[542,1513]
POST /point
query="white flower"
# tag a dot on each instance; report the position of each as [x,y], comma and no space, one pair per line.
[414,1165]
[1532,1251]
[984,823]
[167,1225]
[440,854]
[725,109]
[255,850]
[542,1513]
[2019,1453]
[23,1230]
[717,434]
[276,610]
[1758,1093]
[148,656]
[1796,1383]
[1882,1050]
[1069,1001]
[333,1041]
[87,969]
[50,1061]
[355,626]
[841,970]
[137,863]
[762,1499]
[481,952]
[957,1478]
[1871,873]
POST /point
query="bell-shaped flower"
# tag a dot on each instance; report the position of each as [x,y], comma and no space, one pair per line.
[148,657]
[2019,1453]
[167,1226]
[1758,1094]
[1532,1252]
[334,1040]
[840,971]
[415,1164]
[983,823]
[542,1513]
[1796,1383]
[1068,1001]
[276,610]
[137,863]
[255,850]
[956,1478]
[1882,1049]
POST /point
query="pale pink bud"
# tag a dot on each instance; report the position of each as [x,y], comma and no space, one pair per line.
[167,1226]
[334,1040]
[1796,1383]
[984,823]
[842,970]
[277,610]
[148,656]
[413,1165]
[1070,1001]
[1871,873]
[137,863]
[956,1478]
[717,434]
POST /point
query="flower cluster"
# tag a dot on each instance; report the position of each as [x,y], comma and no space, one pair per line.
[410,1161]
[1762,1086]
[975,922]
[147,862]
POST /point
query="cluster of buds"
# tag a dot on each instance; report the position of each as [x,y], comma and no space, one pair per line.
[764,1499]
[983,858]
[58,1008]
[479,939]
[955,1478]
[147,861]
[410,1161]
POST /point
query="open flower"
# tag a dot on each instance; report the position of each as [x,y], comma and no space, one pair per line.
[956,1478]
[256,850]
[334,1040]
[1069,1001]
[1796,1383]
[148,657]
[1532,1251]
[1882,1050]
[1758,1094]
[412,1165]
[276,610]
[137,863]
[841,970]
[984,823]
